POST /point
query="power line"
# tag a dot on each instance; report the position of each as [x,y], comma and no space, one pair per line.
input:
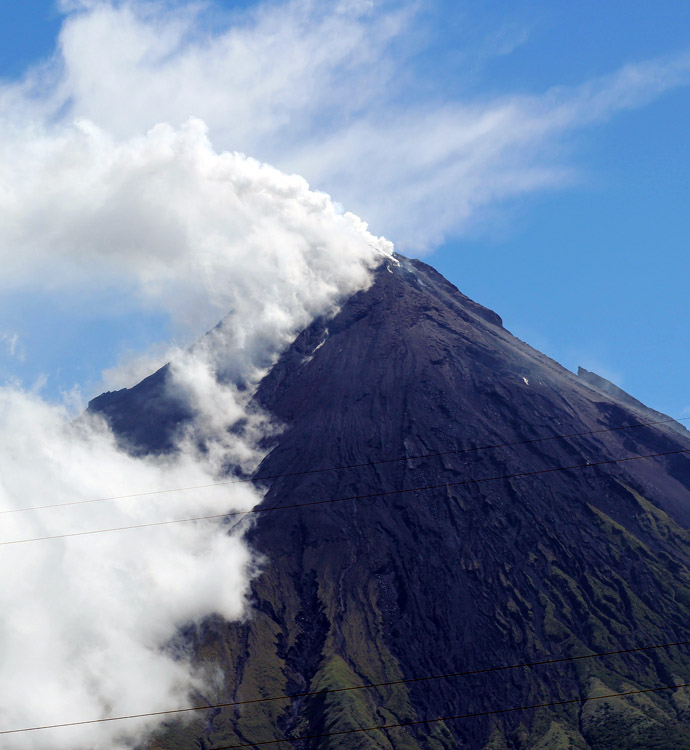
[454,718]
[466,673]
[344,467]
[370,495]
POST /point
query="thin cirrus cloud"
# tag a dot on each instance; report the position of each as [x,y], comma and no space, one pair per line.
[320,89]
[12,345]
[433,173]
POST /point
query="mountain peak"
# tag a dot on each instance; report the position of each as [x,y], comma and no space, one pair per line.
[497,515]
[611,389]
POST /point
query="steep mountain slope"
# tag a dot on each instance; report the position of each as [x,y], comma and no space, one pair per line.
[464,576]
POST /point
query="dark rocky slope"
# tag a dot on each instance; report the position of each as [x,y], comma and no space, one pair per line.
[457,578]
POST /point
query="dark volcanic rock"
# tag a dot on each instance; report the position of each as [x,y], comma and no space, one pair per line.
[146,417]
[611,389]
[463,576]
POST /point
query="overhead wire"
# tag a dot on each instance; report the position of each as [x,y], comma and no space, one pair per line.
[344,467]
[370,686]
[353,498]
[456,717]
[313,503]
[360,497]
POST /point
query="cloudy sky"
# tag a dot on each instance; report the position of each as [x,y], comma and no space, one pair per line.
[535,153]
[164,165]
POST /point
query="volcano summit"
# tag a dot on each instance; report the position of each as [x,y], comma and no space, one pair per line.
[500,511]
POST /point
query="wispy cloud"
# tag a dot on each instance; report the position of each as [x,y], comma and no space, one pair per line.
[11,341]
[423,173]
[322,89]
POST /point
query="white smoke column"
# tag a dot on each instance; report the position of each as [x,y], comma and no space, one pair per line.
[192,232]
[87,622]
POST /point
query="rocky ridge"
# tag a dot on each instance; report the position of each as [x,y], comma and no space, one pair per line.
[461,577]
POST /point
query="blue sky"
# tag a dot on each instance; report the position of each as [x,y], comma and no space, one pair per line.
[597,274]
[576,231]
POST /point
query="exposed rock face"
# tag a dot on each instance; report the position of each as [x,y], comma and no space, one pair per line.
[611,389]
[459,577]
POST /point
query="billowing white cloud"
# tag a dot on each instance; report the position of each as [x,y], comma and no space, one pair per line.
[88,623]
[197,234]
[90,619]
[180,227]
[200,235]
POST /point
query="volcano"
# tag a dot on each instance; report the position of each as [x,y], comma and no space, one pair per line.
[499,513]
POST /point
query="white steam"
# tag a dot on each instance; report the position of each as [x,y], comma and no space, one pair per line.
[192,232]
[87,622]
